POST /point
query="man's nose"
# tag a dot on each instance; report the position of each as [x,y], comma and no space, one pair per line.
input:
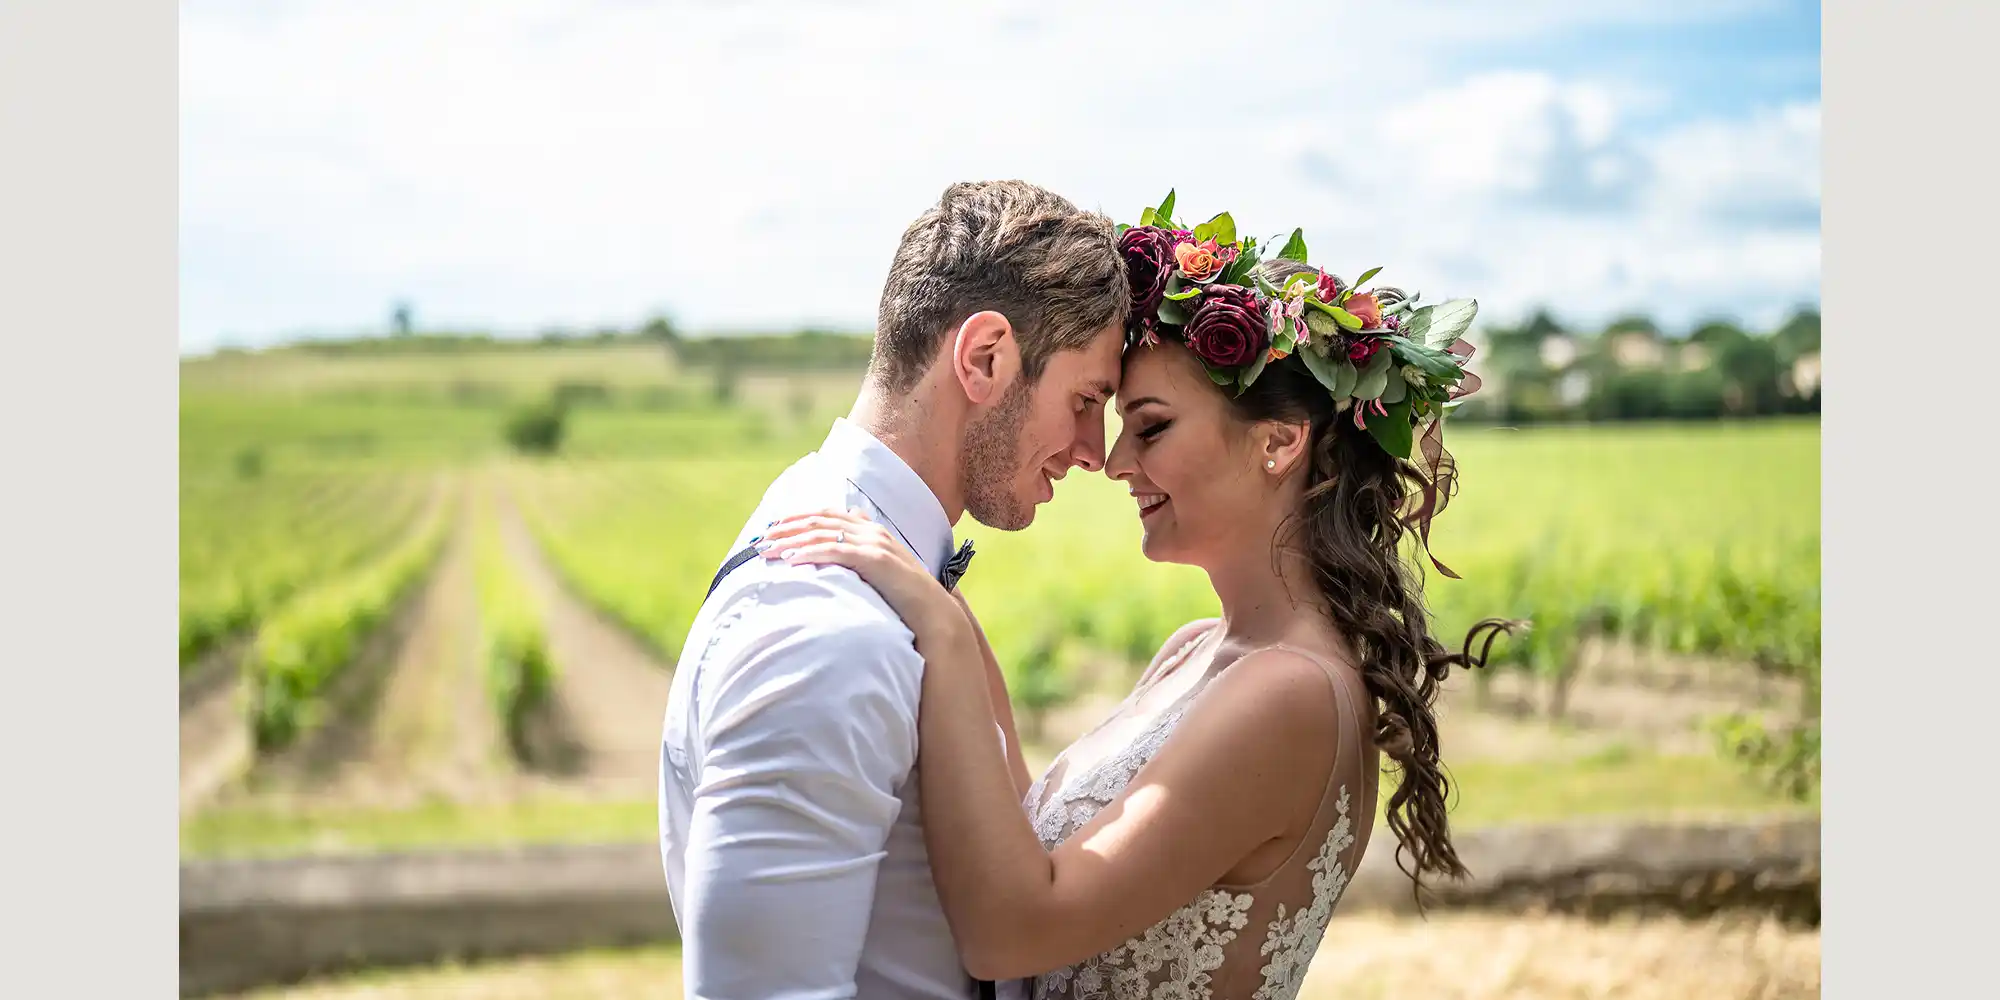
[1088,452]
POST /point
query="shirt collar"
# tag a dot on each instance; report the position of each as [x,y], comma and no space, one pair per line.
[894,488]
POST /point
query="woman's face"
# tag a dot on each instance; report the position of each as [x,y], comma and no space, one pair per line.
[1199,490]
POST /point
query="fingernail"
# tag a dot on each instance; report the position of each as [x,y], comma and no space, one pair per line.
[754,539]
[787,554]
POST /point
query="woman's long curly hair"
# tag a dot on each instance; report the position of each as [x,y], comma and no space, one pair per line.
[1361,504]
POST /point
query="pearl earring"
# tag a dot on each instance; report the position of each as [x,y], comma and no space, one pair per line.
[1270,463]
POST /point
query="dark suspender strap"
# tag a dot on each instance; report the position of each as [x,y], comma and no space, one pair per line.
[985,990]
[744,555]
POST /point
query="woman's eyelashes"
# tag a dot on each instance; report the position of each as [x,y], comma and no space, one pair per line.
[1152,431]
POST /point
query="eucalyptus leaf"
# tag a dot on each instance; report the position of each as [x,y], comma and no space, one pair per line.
[1326,369]
[1266,287]
[1439,326]
[1365,275]
[1392,430]
[1173,313]
[1397,389]
[1348,377]
[1250,374]
[1375,378]
[1295,248]
[1217,375]
[1166,213]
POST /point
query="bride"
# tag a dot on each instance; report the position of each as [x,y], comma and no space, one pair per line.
[1282,432]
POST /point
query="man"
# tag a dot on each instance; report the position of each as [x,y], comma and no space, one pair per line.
[790,826]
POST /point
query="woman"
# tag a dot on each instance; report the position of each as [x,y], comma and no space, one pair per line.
[1195,843]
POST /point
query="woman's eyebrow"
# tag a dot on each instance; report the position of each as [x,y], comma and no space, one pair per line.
[1133,404]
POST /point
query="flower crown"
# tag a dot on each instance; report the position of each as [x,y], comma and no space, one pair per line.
[1394,365]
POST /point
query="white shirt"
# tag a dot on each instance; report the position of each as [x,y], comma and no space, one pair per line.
[790,826]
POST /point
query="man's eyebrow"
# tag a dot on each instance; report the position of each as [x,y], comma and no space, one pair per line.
[1133,404]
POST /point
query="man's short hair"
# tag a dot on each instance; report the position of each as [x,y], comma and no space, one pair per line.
[1009,246]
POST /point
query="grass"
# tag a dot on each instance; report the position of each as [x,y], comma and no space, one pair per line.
[1487,794]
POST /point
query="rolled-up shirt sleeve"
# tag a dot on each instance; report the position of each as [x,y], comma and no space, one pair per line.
[806,741]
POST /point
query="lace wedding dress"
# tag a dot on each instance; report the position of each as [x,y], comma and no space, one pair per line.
[1231,942]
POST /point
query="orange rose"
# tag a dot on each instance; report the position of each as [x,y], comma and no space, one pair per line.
[1365,308]
[1199,261]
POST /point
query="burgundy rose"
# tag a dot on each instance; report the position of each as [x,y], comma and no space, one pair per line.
[1361,350]
[1228,329]
[1149,260]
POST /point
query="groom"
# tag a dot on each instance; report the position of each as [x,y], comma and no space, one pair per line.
[790,826]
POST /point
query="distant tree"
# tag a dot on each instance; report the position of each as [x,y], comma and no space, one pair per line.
[1798,337]
[401,321]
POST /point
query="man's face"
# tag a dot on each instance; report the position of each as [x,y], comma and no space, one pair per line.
[1034,434]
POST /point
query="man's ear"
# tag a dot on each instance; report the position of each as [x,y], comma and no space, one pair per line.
[985,357]
[1281,446]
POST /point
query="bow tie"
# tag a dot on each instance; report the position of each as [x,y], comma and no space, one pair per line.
[954,568]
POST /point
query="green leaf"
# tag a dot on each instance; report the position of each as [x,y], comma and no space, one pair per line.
[1174,313]
[1250,374]
[1217,375]
[1184,294]
[1119,229]
[1432,362]
[1166,213]
[1344,318]
[1223,228]
[1397,389]
[1149,217]
[1439,326]
[1375,378]
[1295,248]
[1240,270]
[1349,377]
[1286,341]
[1327,370]
[1392,430]
[1266,287]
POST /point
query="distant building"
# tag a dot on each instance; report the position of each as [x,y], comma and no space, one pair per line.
[1573,389]
[1637,349]
[1559,351]
[1693,357]
[1805,374]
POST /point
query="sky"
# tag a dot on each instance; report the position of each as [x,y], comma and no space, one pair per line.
[516,166]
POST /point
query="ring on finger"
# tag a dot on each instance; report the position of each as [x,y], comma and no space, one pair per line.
[841,537]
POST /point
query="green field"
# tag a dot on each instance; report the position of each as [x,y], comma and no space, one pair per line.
[319,494]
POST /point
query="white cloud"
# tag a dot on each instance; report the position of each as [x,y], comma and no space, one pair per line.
[520,164]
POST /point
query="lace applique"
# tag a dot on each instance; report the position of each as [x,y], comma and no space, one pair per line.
[1187,946]
[1293,940]
[1079,798]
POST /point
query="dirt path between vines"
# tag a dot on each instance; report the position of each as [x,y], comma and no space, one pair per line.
[611,690]
[434,733]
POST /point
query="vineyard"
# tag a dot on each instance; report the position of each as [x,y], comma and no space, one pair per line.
[400,632]
[326,534]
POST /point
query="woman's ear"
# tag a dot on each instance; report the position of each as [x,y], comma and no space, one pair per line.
[985,357]
[1281,446]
